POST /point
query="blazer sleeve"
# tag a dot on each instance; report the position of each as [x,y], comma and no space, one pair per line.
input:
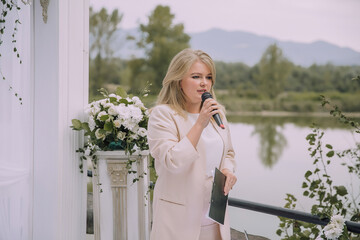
[229,160]
[169,151]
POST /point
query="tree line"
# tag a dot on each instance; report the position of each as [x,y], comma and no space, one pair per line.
[161,39]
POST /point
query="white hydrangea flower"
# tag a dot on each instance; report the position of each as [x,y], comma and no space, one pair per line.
[92,123]
[129,124]
[103,102]
[121,135]
[136,113]
[138,103]
[112,95]
[332,232]
[100,135]
[319,238]
[123,111]
[92,109]
[136,99]
[338,220]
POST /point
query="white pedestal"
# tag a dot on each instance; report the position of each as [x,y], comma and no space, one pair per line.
[121,207]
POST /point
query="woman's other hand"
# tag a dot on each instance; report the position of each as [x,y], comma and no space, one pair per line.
[230,180]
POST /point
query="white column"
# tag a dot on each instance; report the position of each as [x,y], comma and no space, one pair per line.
[121,207]
[60,94]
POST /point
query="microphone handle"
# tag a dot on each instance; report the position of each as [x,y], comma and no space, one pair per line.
[218,120]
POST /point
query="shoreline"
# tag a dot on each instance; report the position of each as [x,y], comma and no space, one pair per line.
[287,114]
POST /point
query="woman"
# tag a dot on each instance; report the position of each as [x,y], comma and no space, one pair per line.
[187,145]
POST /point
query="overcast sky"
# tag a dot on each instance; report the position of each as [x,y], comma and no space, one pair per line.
[334,21]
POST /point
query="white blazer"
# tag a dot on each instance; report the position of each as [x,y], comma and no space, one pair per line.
[178,195]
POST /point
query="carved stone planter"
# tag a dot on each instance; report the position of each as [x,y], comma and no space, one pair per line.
[121,207]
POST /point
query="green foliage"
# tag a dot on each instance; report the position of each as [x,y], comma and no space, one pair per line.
[336,113]
[291,88]
[161,40]
[230,75]
[103,25]
[318,184]
[274,69]
[103,68]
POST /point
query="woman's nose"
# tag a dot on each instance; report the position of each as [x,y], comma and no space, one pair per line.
[203,81]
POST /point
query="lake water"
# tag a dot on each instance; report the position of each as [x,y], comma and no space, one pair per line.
[272,159]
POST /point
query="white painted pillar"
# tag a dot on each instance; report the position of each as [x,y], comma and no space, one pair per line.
[60,94]
[121,207]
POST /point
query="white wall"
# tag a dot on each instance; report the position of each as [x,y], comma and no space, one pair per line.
[60,94]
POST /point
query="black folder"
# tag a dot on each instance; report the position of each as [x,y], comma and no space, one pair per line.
[218,201]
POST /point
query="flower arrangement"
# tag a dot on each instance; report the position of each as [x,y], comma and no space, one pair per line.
[335,229]
[117,122]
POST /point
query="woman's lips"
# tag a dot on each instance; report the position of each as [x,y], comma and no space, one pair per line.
[201,91]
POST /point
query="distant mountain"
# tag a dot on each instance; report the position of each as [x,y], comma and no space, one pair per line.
[239,46]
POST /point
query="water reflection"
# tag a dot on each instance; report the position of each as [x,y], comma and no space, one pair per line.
[269,185]
[272,142]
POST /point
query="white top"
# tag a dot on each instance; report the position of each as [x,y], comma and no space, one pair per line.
[214,148]
[214,145]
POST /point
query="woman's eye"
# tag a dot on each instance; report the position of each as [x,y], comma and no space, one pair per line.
[209,77]
[195,77]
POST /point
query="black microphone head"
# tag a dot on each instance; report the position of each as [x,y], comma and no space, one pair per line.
[205,96]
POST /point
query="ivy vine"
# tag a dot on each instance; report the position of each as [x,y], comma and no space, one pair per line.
[8,6]
[319,186]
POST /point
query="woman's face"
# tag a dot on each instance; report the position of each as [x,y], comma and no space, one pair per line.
[195,82]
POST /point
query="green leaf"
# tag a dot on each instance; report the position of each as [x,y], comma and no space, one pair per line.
[330,154]
[102,131]
[341,190]
[123,100]
[108,126]
[113,99]
[104,117]
[307,174]
[307,233]
[103,92]
[328,146]
[121,92]
[304,185]
[76,124]
[85,126]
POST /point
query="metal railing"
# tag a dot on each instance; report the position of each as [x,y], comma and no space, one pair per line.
[288,213]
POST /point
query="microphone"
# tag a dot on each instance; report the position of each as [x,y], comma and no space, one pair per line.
[216,116]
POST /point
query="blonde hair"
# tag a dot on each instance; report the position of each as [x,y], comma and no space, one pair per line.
[171,92]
